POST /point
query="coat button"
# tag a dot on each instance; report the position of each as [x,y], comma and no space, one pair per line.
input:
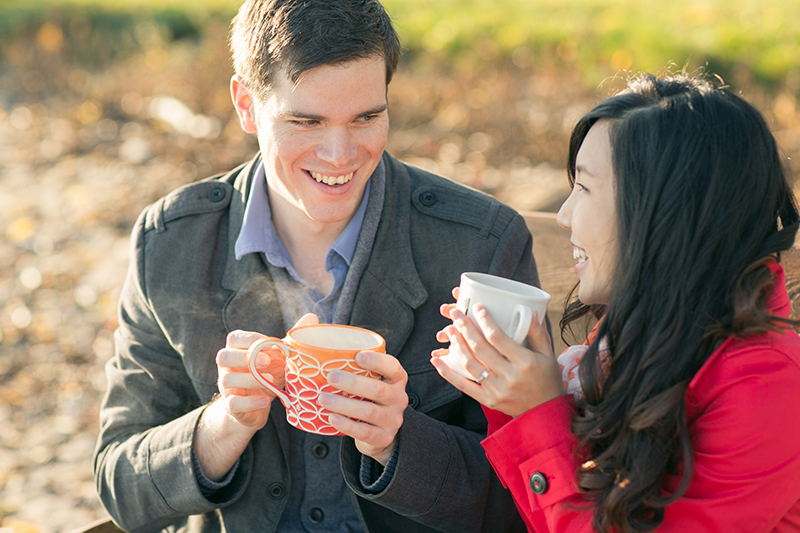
[216,194]
[427,198]
[316,515]
[320,450]
[538,483]
[413,400]
[276,491]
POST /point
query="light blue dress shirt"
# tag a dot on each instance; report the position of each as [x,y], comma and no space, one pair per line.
[258,234]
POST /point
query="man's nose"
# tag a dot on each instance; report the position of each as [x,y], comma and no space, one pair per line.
[338,147]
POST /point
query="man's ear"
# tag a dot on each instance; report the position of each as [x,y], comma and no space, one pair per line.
[244,104]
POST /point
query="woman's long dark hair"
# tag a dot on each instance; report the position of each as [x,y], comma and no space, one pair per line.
[702,201]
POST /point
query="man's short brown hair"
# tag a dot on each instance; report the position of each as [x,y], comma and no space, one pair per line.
[293,36]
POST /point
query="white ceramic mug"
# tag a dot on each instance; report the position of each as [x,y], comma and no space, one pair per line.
[511,304]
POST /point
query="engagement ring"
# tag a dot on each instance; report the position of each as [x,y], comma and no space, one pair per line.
[484,375]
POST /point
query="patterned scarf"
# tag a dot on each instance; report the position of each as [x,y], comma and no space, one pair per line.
[570,361]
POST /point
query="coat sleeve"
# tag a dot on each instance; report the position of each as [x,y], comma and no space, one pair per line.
[539,443]
[746,451]
[148,416]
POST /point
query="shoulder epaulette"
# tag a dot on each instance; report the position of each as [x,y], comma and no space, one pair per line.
[465,206]
[194,199]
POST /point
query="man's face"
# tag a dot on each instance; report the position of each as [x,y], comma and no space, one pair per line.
[321,139]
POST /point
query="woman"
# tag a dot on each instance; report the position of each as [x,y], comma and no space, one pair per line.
[686,393]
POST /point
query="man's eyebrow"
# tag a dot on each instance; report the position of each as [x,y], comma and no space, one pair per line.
[375,110]
[310,116]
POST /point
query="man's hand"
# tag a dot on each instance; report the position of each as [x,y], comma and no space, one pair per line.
[245,399]
[374,421]
[242,408]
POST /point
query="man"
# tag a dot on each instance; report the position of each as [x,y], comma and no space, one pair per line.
[322,221]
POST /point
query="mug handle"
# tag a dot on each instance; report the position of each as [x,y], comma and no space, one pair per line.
[520,323]
[462,304]
[252,354]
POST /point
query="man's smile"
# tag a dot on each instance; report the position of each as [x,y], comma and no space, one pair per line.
[331,180]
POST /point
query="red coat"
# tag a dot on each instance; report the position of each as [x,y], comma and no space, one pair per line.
[742,411]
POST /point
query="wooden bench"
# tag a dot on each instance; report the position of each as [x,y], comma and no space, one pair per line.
[104,525]
[555,264]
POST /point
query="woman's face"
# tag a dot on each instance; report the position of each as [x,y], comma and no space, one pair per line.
[590,214]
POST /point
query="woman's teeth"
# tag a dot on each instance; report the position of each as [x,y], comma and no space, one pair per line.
[579,254]
[331,180]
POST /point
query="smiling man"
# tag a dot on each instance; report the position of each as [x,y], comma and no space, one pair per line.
[321,224]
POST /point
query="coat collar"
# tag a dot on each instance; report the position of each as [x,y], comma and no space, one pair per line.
[253,306]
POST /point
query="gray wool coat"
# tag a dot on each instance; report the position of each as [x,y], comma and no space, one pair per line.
[184,293]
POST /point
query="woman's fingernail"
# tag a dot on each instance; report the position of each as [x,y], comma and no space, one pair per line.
[325,399]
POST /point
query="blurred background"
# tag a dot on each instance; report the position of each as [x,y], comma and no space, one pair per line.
[106,105]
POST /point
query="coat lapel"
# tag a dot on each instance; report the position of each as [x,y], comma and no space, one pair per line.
[253,306]
[390,288]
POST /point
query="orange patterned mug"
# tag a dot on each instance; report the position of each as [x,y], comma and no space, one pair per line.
[311,352]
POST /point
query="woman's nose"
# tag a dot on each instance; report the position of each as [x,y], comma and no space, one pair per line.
[564,216]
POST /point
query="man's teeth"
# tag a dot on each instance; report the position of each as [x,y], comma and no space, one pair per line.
[331,180]
[579,254]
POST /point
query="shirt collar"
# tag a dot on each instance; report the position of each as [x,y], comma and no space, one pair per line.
[258,234]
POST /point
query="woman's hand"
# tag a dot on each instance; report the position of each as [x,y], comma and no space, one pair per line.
[445,309]
[441,336]
[518,379]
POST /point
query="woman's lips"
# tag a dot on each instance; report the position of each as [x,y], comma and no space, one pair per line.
[580,255]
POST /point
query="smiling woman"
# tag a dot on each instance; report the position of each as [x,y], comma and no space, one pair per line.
[679,213]
[590,213]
